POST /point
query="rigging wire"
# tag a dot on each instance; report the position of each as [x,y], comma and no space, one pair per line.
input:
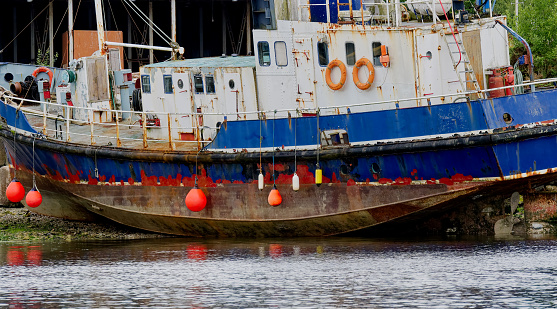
[151,24]
[136,26]
[6,46]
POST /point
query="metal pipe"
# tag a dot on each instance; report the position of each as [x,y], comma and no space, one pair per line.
[70,30]
[527,46]
[181,49]
[151,55]
[328,10]
[51,32]
[173,19]
[14,12]
[33,52]
[248,28]
[130,52]
[100,25]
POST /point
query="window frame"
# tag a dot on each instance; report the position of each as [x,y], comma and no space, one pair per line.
[214,90]
[348,57]
[145,83]
[326,50]
[165,77]
[202,88]
[261,53]
[285,54]
[376,57]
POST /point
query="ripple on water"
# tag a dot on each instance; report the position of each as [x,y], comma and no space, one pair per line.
[307,273]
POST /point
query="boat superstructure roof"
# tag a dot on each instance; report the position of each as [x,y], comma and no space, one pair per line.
[210,62]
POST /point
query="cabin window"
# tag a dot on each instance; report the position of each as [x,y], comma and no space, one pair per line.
[376,47]
[281,56]
[167,80]
[209,84]
[350,53]
[323,53]
[198,83]
[145,84]
[264,54]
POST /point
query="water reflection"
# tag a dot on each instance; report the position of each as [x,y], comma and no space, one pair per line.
[24,255]
[311,273]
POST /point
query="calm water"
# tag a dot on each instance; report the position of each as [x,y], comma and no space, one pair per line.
[300,273]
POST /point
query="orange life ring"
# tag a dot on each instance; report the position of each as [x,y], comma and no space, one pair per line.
[46,70]
[356,78]
[330,67]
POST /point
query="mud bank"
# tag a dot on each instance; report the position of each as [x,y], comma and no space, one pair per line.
[20,224]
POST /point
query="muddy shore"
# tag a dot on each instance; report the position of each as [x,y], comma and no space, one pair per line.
[19,224]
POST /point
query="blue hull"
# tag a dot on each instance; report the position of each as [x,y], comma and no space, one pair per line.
[431,154]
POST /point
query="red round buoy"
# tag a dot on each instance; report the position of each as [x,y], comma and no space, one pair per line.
[34,198]
[274,198]
[196,199]
[15,191]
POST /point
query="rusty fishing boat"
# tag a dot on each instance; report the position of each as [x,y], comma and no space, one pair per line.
[342,120]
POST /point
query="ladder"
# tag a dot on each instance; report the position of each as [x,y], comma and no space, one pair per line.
[464,70]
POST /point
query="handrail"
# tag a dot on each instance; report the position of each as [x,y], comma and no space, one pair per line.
[526,45]
[541,81]
[197,143]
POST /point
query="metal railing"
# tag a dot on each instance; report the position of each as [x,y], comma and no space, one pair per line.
[133,134]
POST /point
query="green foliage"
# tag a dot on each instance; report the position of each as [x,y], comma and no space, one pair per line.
[43,59]
[537,24]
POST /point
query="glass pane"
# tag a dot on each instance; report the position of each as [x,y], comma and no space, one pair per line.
[198,83]
[376,46]
[167,80]
[210,84]
[145,84]
[264,54]
[281,56]
[350,53]
[323,52]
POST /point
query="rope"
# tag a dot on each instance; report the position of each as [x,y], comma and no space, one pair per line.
[195,182]
[15,134]
[295,143]
[318,138]
[2,50]
[34,183]
[260,141]
[274,117]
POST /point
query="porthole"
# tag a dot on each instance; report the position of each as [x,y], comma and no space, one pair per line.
[231,84]
[344,169]
[507,118]
[180,84]
[8,77]
[428,55]
[375,169]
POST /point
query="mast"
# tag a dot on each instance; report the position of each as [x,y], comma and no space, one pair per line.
[70,30]
[51,32]
[100,25]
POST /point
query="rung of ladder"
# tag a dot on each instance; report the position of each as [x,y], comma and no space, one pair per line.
[466,71]
[460,52]
[459,43]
